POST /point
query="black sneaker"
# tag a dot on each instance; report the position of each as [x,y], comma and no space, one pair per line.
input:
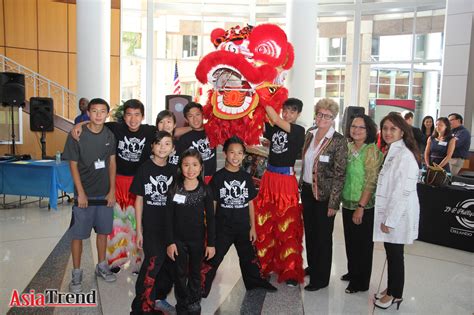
[115,269]
[267,286]
[194,308]
[291,283]
[345,277]
[306,271]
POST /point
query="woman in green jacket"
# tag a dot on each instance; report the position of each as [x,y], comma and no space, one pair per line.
[363,165]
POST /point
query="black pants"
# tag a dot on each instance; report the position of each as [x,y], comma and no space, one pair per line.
[188,273]
[155,278]
[395,269]
[318,229]
[249,263]
[359,248]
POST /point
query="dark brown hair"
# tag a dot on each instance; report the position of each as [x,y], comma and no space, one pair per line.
[408,137]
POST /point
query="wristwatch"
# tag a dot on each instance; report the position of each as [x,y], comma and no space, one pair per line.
[360,206]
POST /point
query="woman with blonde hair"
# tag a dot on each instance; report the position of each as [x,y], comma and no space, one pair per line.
[322,178]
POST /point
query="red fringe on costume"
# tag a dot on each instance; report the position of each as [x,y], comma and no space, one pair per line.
[148,304]
[279,227]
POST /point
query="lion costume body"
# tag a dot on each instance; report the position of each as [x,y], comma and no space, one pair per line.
[247,71]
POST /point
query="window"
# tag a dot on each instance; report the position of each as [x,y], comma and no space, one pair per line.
[190,46]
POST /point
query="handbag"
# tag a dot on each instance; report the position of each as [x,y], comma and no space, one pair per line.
[436,176]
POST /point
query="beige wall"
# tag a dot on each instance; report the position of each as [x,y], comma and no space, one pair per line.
[41,35]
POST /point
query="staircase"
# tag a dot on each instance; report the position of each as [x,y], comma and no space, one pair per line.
[36,85]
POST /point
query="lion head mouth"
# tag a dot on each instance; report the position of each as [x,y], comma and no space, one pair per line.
[234,96]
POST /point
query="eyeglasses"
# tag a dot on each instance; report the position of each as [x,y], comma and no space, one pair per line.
[324,116]
[358,127]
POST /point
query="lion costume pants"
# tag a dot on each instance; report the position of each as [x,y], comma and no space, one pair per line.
[279,227]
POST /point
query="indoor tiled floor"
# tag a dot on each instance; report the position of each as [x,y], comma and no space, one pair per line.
[438,280]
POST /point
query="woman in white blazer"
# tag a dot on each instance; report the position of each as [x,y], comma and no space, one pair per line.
[396,204]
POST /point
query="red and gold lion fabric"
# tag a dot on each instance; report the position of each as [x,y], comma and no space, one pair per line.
[246,71]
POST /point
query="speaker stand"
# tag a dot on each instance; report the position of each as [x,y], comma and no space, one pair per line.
[43,145]
[13,128]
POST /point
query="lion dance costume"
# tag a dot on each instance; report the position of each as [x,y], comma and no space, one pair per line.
[247,71]
[121,245]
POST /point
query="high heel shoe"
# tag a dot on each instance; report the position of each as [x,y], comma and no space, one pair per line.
[388,304]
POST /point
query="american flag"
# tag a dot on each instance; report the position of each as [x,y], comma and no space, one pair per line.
[176,83]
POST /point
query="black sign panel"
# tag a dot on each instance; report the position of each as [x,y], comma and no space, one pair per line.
[447,216]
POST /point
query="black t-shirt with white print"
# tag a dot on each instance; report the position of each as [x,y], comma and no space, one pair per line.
[173,159]
[133,148]
[152,182]
[198,140]
[284,146]
[233,191]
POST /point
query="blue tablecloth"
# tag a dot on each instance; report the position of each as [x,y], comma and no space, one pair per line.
[34,178]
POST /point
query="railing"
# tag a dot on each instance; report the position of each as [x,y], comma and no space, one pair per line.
[36,85]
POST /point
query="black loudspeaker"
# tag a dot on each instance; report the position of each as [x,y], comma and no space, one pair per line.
[41,114]
[349,113]
[12,89]
[175,103]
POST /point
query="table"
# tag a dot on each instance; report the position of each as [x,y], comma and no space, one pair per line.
[36,178]
[447,216]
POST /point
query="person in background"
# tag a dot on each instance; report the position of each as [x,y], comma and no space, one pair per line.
[427,129]
[397,208]
[83,116]
[440,146]
[322,179]
[427,126]
[408,116]
[358,197]
[463,143]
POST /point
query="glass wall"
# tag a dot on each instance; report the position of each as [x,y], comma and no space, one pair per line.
[399,47]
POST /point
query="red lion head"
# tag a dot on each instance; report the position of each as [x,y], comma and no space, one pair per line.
[246,71]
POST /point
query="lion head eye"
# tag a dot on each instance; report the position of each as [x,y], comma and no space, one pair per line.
[272,89]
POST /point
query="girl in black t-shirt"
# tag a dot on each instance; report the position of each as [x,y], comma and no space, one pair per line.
[150,185]
[233,191]
[190,217]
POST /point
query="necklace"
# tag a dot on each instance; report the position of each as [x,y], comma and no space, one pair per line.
[355,153]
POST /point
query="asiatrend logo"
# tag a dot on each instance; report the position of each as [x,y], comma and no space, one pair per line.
[465,214]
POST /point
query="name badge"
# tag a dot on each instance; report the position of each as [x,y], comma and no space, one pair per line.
[324,158]
[179,198]
[443,143]
[99,164]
